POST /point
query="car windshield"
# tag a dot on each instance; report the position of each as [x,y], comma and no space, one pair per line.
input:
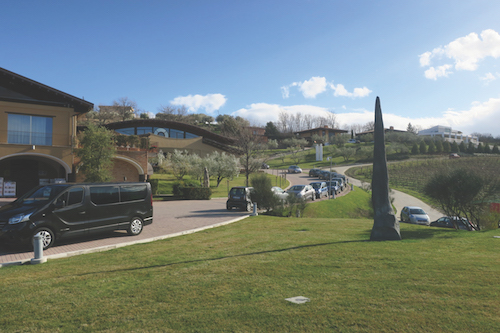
[237,191]
[41,194]
[417,211]
[297,188]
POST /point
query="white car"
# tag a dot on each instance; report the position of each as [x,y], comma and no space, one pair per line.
[279,192]
[415,215]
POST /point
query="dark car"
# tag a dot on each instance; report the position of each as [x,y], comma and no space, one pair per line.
[453,222]
[240,197]
[314,172]
[58,211]
[264,166]
[320,189]
[325,175]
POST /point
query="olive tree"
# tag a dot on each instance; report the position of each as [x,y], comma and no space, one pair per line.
[460,192]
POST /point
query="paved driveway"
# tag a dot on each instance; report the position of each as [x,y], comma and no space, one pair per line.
[170,217]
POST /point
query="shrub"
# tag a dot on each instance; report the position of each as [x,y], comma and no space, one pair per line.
[154,185]
[262,193]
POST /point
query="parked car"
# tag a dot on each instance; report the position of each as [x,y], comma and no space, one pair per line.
[264,166]
[414,215]
[240,197]
[314,172]
[302,192]
[340,182]
[453,222]
[294,169]
[58,211]
[454,155]
[325,175]
[279,192]
[333,187]
[320,189]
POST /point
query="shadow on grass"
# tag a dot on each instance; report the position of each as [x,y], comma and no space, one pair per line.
[222,258]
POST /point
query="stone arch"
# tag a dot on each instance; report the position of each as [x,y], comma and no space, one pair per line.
[31,169]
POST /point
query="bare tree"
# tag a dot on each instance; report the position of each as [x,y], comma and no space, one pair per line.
[125,108]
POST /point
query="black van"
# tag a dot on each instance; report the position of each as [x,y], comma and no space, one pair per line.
[58,211]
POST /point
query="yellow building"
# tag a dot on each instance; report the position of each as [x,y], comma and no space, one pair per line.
[37,131]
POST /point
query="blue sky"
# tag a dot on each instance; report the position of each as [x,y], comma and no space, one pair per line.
[430,62]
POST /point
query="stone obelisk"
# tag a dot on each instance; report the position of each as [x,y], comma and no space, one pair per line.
[385,224]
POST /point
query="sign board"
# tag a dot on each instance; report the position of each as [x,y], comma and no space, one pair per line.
[9,189]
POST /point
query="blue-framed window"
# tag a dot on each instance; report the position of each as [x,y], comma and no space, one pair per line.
[29,130]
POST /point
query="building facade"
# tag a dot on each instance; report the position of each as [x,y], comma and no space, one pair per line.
[448,134]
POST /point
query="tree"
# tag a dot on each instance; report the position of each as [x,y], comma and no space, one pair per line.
[422,148]
[262,193]
[272,131]
[180,163]
[96,154]
[125,108]
[251,148]
[462,147]
[222,165]
[446,147]
[432,147]
[411,129]
[480,148]
[346,153]
[439,146]
[495,150]
[487,149]
[458,192]
[454,147]
[339,140]
[414,149]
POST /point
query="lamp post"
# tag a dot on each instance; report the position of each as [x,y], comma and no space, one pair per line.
[329,158]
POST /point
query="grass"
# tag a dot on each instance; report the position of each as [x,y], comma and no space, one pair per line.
[236,278]
[356,204]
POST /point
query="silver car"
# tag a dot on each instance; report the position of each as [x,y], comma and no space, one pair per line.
[302,192]
[294,169]
[415,215]
[279,192]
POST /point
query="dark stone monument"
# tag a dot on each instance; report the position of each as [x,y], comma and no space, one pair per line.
[385,224]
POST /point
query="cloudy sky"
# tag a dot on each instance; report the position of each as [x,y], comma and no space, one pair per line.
[430,62]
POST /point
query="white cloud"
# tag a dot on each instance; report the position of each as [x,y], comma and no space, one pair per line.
[317,85]
[261,113]
[210,102]
[433,73]
[311,88]
[481,117]
[488,77]
[465,51]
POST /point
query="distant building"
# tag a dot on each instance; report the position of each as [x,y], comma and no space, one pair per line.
[258,132]
[448,134]
[324,131]
[386,130]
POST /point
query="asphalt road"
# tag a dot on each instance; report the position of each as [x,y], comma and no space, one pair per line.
[173,218]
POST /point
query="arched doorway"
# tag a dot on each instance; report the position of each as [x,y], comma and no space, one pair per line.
[30,170]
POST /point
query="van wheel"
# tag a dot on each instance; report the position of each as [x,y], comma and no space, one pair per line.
[135,227]
[48,237]
[249,207]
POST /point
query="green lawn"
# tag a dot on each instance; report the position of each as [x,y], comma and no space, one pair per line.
[236,278]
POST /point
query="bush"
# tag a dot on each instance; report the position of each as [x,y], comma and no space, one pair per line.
[154,185]
[262,193]
[196,193]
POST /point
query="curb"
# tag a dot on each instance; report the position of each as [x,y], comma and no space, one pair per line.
[116,246]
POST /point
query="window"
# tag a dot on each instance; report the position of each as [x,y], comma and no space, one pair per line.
[29,130]
[133,192]
[101,195]
[72,197]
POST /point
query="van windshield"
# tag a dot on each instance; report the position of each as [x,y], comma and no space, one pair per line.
[41,194]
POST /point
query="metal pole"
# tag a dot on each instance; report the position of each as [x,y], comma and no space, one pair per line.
[38,249]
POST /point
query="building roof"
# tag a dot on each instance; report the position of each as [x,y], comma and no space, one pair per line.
[19,89]
[322,129]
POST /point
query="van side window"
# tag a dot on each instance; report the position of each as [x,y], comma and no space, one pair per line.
[101,195]
[133,192]
[75,196]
